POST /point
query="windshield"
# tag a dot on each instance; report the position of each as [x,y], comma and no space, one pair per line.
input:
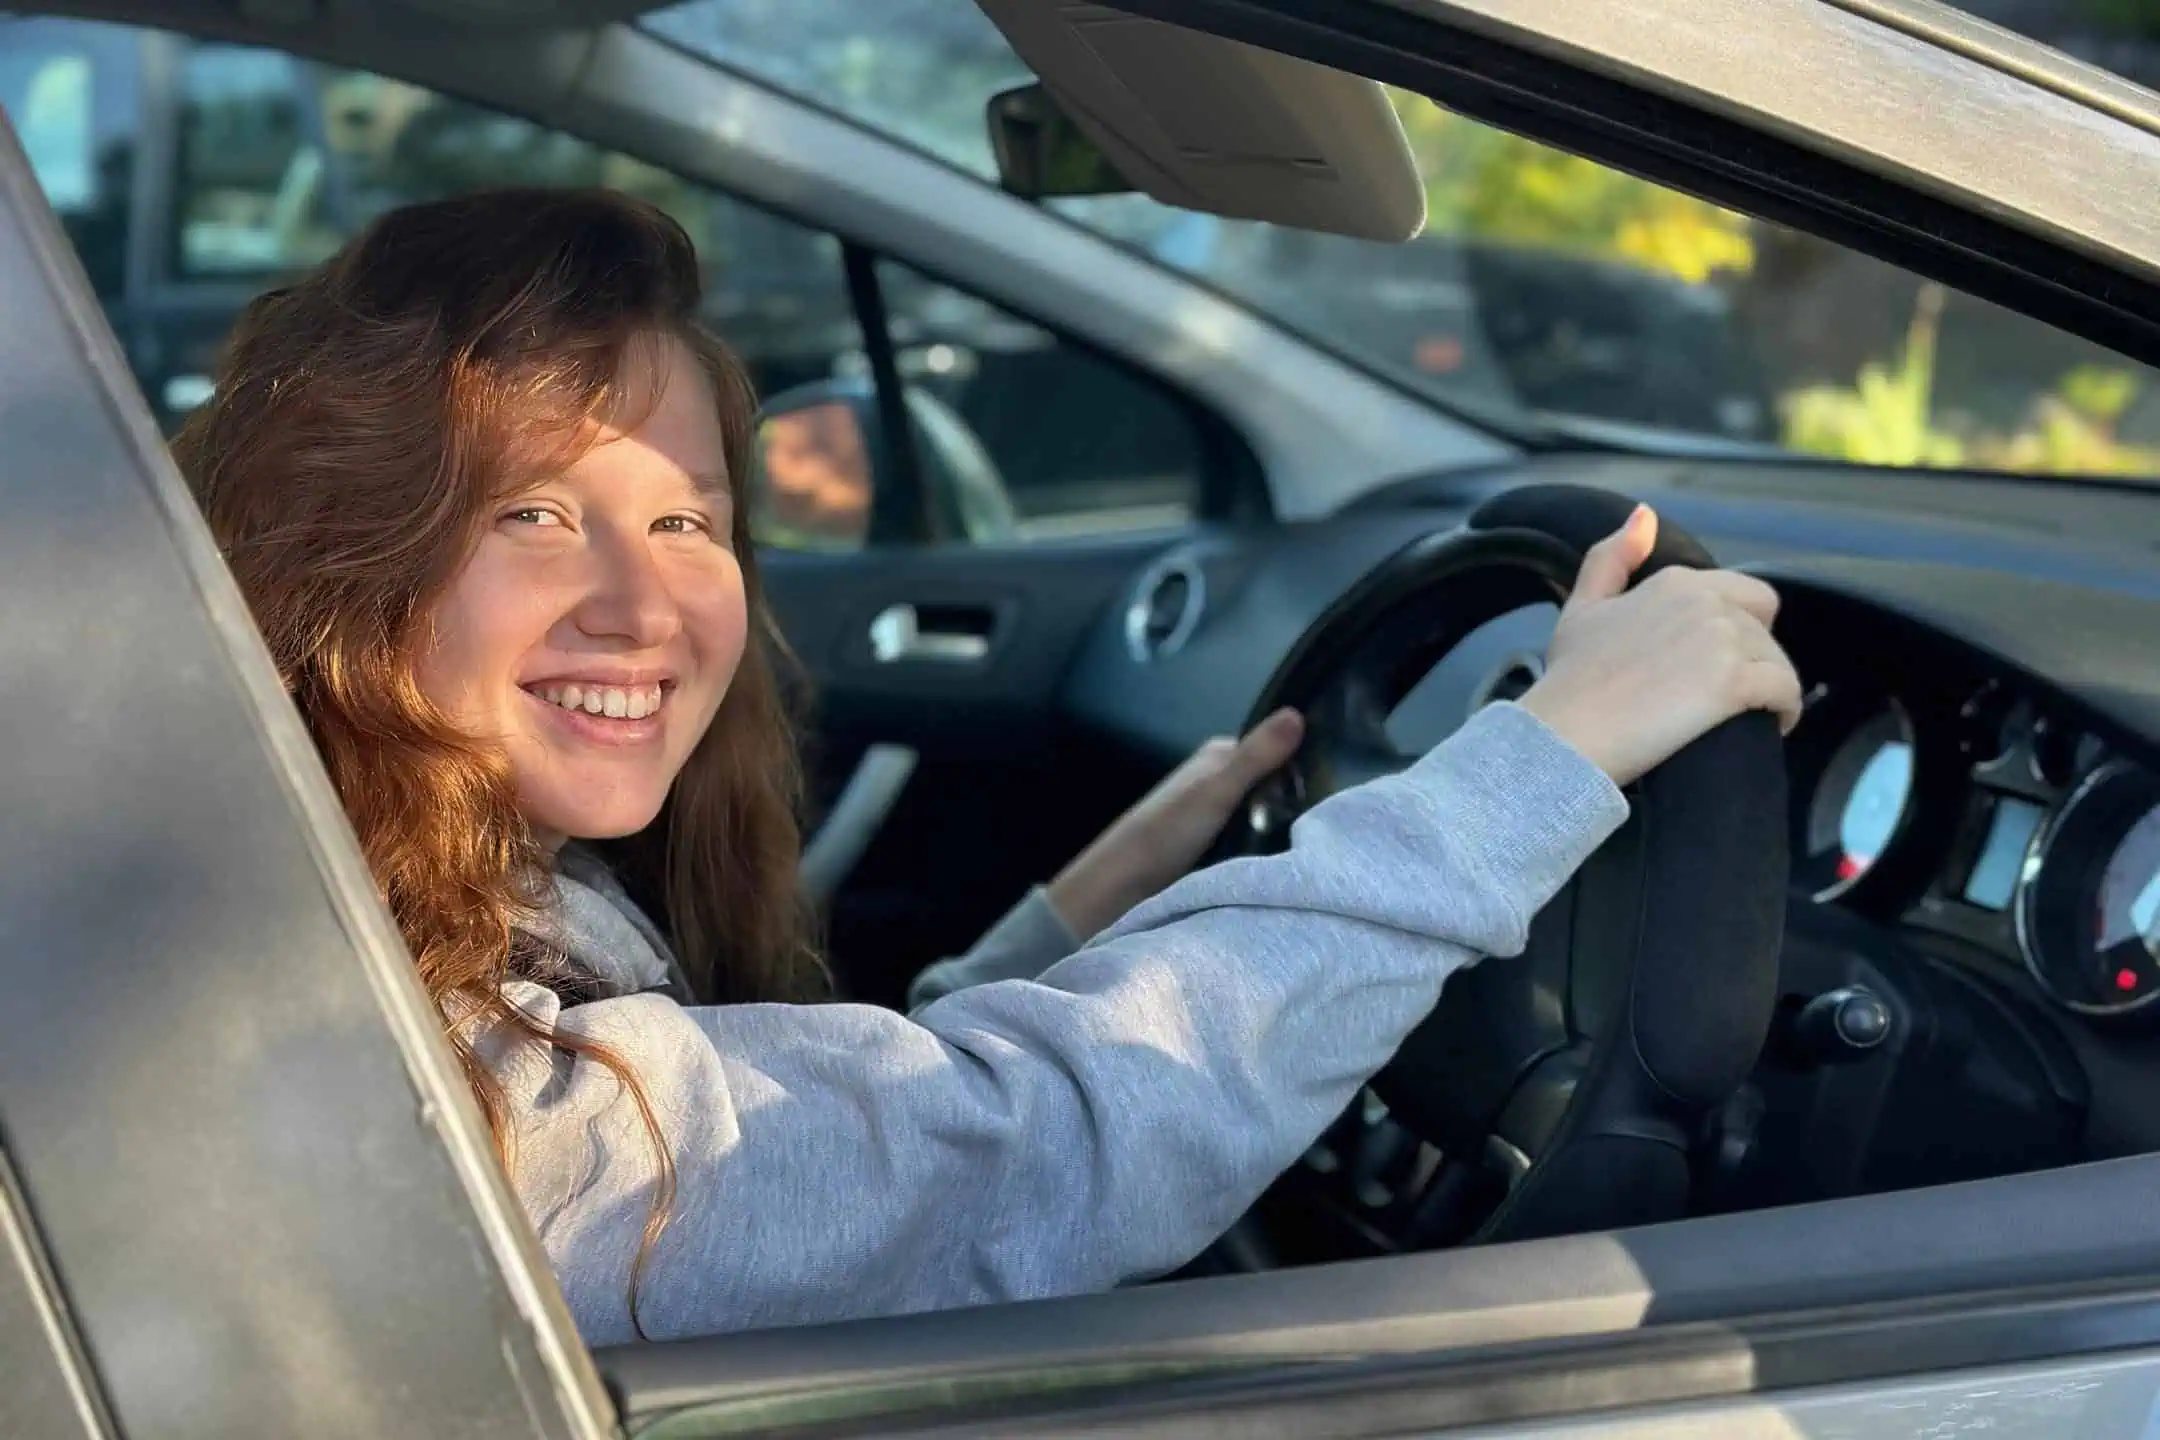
[1545,287]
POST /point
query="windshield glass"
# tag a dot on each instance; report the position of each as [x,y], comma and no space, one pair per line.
[1546,286]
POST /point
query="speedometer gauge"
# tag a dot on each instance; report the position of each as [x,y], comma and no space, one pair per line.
[2128,913]
[2090,913]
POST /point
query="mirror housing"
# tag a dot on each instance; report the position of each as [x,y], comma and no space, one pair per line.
[1041,153]
[825,474]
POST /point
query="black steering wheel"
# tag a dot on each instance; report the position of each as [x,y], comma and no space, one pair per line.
[1583,1071]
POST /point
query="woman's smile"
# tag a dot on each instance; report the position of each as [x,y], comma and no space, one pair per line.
[600,714]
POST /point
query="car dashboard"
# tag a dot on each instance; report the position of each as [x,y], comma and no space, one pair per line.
[1975,783]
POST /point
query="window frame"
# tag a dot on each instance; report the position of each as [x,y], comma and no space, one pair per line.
[1230,487]
[114,572]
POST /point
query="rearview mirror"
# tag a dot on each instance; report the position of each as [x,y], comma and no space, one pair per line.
[1042,153]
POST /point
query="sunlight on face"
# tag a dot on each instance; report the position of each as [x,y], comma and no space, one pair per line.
[595,630]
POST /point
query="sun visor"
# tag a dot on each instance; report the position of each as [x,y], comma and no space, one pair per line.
[1214,125]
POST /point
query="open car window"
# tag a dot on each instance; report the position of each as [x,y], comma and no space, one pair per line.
[1546,285]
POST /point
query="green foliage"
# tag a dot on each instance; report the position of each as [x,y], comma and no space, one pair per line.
[1493,185]
[1886,417]
[2099,393]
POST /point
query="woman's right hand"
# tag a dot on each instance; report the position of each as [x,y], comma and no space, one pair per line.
[1632,676]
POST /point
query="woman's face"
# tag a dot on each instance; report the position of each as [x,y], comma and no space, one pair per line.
[595,630]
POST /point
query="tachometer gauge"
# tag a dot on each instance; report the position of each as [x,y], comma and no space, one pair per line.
[2089,916]
[1860,796]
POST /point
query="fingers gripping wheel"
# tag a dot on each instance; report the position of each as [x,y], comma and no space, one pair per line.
[1650,981]
[1715,860]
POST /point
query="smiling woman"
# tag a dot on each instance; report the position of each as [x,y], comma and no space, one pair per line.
[602,614]
[545,407]
[462,483]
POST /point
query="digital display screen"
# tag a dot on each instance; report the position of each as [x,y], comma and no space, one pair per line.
[1994,875]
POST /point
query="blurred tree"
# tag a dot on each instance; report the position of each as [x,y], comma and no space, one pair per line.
[1885,417]
[1494,185]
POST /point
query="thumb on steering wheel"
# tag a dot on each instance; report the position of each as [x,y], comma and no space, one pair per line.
[1613,561]
[1264,749]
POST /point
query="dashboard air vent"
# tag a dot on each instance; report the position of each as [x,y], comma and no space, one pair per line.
[1165,609]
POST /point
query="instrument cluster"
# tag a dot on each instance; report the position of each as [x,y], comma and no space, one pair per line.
[1990,817]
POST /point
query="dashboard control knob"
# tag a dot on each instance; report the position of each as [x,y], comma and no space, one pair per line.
[1841,1024]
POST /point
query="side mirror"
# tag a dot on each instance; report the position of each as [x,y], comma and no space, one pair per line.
[815,481]
[1040,151]
[825,472]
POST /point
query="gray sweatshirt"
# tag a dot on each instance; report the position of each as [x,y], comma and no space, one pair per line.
[1097,1124]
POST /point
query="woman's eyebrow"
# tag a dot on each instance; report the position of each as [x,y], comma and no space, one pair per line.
[712,481]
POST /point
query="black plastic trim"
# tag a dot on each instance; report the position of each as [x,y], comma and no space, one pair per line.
[900,510]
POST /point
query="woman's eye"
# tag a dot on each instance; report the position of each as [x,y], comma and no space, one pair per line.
[683,525]
[533,515]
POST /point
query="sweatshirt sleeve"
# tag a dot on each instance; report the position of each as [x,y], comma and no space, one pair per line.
[1030,938]
[1026,1138]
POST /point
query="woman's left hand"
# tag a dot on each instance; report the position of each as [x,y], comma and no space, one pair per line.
[1169,829]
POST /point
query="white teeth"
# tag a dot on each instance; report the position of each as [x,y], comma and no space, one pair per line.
[615,703]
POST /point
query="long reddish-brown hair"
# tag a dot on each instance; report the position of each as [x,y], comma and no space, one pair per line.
[365,420]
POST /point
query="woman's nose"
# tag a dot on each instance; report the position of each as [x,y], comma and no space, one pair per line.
[630,599]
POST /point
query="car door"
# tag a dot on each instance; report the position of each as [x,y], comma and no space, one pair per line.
[167,875]
[937,649]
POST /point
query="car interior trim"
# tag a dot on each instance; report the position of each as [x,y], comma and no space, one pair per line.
[2084,1225]
[2028,61]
